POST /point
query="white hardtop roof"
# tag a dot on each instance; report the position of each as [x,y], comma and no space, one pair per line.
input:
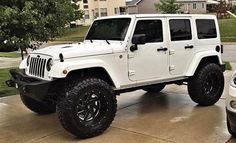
[158,15]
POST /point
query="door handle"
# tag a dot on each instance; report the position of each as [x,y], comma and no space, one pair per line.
[189,47]
[162,49]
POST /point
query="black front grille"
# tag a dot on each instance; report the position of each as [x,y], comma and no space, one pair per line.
[37,66]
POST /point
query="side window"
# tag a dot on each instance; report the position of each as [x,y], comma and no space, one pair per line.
[180,29]
[151,28]
[206,28]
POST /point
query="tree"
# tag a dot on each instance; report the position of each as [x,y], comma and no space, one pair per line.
[23,21]
[168,6]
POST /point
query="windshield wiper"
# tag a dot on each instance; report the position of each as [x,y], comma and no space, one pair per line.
[107,42]
[91,40]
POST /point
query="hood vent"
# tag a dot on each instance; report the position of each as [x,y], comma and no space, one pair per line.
[67,47]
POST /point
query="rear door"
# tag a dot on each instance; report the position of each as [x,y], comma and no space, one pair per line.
[181,44]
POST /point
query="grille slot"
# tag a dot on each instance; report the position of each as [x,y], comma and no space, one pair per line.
[37,66]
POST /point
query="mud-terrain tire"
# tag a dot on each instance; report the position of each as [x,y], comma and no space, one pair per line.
[233,133]
[37,106]
[207,85]
[88,108]
[155,89]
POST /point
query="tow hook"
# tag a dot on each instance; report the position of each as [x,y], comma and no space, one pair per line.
[10,83]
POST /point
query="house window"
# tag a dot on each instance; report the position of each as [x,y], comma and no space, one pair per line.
[194,6]
[85,6]
[203,5]
[85,1]
[180,29]
[122,10]
[206,28]
[103,11]
[117,10]
[86,14]
[151,28]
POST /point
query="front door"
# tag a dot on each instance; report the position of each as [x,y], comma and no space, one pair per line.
[181,45]
[149,61]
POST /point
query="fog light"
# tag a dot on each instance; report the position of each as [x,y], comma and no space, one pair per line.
[233,104]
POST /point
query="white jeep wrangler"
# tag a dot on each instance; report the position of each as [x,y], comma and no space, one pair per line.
[119,54]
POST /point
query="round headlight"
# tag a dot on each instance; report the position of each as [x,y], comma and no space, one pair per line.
[49,64]
[234,80]
[28,60]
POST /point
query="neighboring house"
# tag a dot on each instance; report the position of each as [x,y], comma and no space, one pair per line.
[233,2]
[98,8]
[147,6]
[193,6]
[141,6]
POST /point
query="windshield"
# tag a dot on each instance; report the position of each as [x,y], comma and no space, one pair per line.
[109,29]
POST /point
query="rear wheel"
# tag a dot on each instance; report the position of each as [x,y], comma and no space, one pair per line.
[156,88]
[88,108]
[37,106]
[207,85]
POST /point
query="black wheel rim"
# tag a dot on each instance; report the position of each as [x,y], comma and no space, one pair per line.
[211,85]
[90,107]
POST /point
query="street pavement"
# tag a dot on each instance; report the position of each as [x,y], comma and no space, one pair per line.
[229,53]
[166,117]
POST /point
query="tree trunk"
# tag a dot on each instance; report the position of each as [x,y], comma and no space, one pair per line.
[22,53]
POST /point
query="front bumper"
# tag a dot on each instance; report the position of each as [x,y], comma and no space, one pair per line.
[31,87]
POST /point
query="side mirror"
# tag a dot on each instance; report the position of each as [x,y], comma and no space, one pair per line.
[139,39]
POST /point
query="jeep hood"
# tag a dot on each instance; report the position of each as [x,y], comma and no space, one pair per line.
[80,49]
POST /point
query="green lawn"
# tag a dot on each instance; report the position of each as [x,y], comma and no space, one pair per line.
[10,54]
[4,89]
[227,65]
[74,34]
[228,29]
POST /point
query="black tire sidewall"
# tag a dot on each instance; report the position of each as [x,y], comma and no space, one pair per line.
[233,133]
[196,85]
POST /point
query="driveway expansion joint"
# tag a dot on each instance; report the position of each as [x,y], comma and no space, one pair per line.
[150,136]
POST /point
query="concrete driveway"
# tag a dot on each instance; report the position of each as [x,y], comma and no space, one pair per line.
[169,116]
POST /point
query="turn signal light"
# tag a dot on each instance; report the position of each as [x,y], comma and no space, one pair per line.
[233,104]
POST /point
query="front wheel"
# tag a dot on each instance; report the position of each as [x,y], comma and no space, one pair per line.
[88,108]
[207,85]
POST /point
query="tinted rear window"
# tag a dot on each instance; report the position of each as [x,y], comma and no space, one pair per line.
[206,28]
[180,29]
